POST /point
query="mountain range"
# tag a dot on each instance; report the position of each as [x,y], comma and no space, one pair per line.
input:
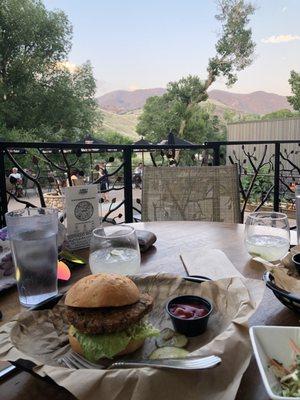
[259,102]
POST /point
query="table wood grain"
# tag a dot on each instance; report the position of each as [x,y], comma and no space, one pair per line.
[172,239]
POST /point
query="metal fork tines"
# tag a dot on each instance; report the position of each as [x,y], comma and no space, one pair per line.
[174,363]
[73,360]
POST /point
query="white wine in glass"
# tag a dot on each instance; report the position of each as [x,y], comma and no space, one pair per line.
[267,235]
[115,249]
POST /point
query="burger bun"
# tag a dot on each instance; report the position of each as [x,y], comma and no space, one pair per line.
[102,290]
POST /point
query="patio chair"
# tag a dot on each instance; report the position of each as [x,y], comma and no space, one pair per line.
[191,193]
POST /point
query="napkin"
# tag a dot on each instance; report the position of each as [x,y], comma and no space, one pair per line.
[211,263]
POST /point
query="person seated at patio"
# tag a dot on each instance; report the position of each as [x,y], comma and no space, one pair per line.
[16,179]
[137,176]
[104,183]
[96,172]
[292,186]
[139,169]
[77,177]
[80,178]
[74,177]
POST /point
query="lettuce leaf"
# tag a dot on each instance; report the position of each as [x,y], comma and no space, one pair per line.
[107,345]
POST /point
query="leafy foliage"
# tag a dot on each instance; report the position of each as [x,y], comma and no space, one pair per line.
[234,49]
[37,89]
[294,81]
[178,109]
[161,115]
[114,137]
[262,184]
[284,113]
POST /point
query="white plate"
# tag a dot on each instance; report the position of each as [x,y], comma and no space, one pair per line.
[272,342]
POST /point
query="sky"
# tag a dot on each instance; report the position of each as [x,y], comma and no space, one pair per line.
[138,44]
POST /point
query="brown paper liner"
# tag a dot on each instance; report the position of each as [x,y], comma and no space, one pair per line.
[40,336]
[285,274]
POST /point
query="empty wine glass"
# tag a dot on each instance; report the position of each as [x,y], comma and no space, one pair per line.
[115,249]
[267,235]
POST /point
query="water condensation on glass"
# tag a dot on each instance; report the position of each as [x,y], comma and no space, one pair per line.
[33,238]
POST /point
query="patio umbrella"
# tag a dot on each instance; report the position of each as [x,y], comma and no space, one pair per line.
[89,139]
[174,140]
[56,150]
[13,150]
[141,142]
[17,151]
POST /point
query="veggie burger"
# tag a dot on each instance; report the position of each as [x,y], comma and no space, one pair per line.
[106,315]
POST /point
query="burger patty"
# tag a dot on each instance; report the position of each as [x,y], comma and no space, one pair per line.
[109,320]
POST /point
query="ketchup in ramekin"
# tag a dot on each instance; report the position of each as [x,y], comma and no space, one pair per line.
[189,314]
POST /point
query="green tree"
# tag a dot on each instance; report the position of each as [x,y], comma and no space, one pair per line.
[234,52]
[113,137]
[37,90]
[284,113]
[294,81]
[160,116]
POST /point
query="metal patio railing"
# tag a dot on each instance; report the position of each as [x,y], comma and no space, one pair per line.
[268,170]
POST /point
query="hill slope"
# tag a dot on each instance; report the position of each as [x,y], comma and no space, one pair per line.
[253,103]
[121,101]
[122,123]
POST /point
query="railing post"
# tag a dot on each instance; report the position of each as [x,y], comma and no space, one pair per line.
[276,177]
[216,155]
[3,196]
[128,184]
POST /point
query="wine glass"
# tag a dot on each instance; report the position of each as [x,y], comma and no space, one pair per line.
[115,249]
[267,235]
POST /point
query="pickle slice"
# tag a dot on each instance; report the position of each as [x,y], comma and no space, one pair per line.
[167,333]
[171,339]
[168,352]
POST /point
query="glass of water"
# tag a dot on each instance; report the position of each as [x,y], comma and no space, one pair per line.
[267,235]
[33,239]
[115,249]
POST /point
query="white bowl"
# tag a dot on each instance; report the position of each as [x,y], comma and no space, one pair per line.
[273,342]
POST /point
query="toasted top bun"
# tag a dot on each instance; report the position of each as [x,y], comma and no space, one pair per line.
[102,290]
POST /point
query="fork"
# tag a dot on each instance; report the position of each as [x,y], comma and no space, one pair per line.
[73,360]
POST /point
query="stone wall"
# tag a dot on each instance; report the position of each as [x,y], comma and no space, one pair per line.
[54,200]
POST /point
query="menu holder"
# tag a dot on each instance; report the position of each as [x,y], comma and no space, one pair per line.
[82,210]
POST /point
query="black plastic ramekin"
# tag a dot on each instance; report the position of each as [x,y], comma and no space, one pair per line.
[190,327]
[296,261]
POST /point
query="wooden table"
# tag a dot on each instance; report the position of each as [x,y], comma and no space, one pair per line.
[172,238]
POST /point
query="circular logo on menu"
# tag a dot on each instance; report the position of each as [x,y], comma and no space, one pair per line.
[84,210]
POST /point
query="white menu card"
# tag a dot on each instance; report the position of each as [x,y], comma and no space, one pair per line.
[82,210]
